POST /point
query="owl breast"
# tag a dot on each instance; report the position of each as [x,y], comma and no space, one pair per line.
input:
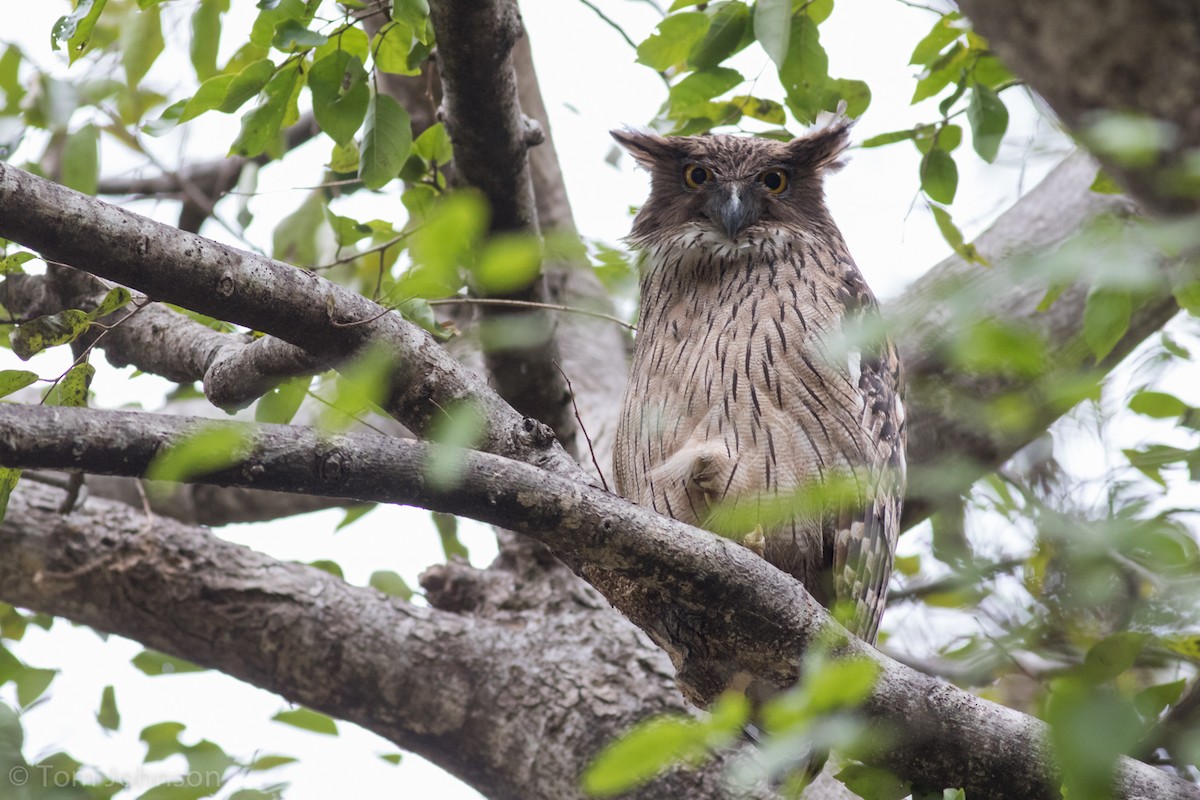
[738,397]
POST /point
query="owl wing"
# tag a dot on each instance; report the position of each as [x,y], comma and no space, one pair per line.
[864,542]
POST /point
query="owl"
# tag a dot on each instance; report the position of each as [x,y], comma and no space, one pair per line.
[747,410]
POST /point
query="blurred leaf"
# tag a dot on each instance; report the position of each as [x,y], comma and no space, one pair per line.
[297,238]
[269,762]
[81,160]
[8,482]
[939,175]
[72,389]
[991,346]
[1089,728]
[392,758]
[1158,405]
[387,139]
[672,40]
[153,663]
[1153,700]
[954,237]
[443,244]
[162,740]
[12,380]
[773,28]
[1131,140]
[447,528]
[308,720]
[390,583]
[205,40]
[283,401]
[75,29]
[141,43]
[1104,184]
[1106,318]
[647,750]
[209,448]
[508,264]
[340,95]
[871,783]
[12,265]
[989,120]
[354,514]
[1110,657]
[108,716]
[331,567]
[30,338]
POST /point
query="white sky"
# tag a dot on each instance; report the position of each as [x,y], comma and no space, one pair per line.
[590,84]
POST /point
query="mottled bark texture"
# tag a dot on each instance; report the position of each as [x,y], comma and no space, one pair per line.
[558,671]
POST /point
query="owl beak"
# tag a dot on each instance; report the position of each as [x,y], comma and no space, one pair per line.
[730,210]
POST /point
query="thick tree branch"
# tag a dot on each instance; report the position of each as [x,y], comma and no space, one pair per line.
[330,322]
[491,139]
[951,738]
[477,696]
[1090,56]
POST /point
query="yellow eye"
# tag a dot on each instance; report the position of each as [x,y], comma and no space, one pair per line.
[775,180]
[694,175]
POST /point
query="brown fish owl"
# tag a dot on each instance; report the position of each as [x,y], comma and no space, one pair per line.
[741,397]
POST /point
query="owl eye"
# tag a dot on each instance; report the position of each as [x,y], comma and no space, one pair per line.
[775,180]
[694,175]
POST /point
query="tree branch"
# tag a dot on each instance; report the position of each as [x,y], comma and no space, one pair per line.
[1066,52]
[951,738]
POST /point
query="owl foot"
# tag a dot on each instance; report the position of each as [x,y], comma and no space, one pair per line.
[755,541]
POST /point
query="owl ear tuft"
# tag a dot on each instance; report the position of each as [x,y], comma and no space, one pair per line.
[821,148]
[648,149]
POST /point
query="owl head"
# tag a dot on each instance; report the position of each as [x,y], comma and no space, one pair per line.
[734,186]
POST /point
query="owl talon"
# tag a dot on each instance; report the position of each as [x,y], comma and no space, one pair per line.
[755,542]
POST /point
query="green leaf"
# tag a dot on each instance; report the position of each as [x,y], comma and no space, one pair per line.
[271,16]
[8,482]
[281,403]
[724,34]
[1090,727]
[1151,702]
[948,28]
[262,126]
[108,716]
[761,109]
[12,265]
[162,739]
[154,663]
[72,389]
[297,237]
[1187,295]
[415,15]
[700,87]
[243,85]
[340,95]
[889,138]
[390,583]
[991,346]
[309,720]
[206,37]
[141,44]
[1106,319]
[447,528]
[1110,657]
[434,144]
[332,567]
[52,330]
[13,380]
[354,514]
[387,140]
[118,297]
[872,783]
[75,29]
[269,762]
[672,40]
[646,750]
[352,40]
[939,175]
[10,80]
[391,49]
[508,264]
[210,448]
[32,683]
[805,71]
[1104,184]
[953,236]
[1158,405]
[989,120]
[857,95]
[292,36]
[773,28]
[442,244]
[392,758]
[938,75]
[81,160]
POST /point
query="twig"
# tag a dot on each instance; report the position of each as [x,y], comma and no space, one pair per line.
[582,428]
[492,301]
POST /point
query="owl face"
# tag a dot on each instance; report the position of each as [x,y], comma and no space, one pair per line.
[733,186]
